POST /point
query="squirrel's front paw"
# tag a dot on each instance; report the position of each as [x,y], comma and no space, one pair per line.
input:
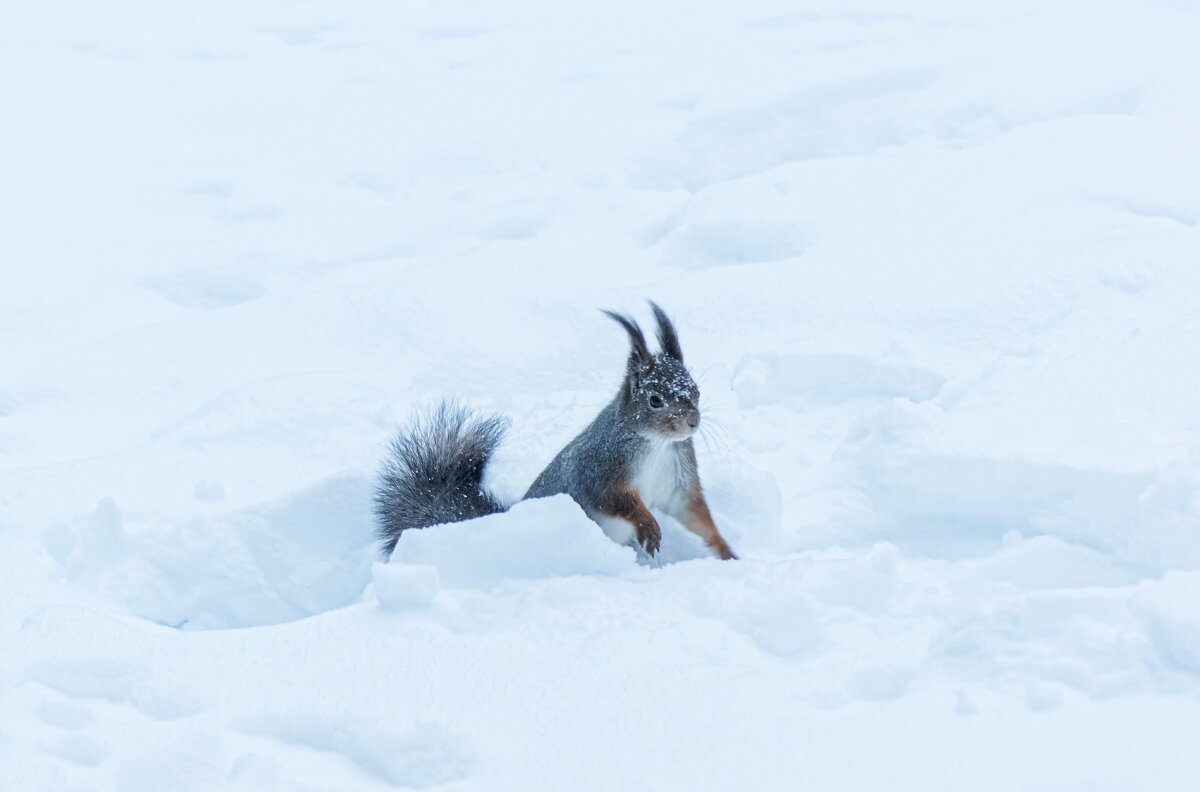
[650,537]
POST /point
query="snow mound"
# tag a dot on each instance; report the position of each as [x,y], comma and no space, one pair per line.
[543,538]
[303,554]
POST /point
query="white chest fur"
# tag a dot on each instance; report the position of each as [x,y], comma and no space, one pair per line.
[661,476]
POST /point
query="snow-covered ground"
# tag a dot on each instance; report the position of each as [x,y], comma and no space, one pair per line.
[935,265]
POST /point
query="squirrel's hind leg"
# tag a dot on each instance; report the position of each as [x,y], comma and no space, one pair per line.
[696,517]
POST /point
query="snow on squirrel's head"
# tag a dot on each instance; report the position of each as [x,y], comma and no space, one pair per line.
[659,394]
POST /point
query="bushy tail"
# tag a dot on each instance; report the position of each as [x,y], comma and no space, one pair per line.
[434,471]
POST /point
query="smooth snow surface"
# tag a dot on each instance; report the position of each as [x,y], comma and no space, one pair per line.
[935,266]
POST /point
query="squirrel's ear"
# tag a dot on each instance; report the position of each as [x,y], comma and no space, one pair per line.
[639,353]
[668,339]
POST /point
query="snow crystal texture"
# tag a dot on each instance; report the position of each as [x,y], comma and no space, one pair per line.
[935,267]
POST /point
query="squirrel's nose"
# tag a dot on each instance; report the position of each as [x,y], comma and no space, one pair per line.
[693,419]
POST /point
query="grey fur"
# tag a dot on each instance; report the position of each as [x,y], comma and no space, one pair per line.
[607,454]
[433,473]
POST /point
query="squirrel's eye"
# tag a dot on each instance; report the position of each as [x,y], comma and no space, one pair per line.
[656,402]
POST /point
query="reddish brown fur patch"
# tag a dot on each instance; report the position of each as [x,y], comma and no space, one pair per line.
[698,519]
[628,506]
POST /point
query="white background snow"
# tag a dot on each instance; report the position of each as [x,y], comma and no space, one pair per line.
[935,265]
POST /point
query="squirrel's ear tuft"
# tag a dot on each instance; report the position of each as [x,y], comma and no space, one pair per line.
[668,339]
[639,352]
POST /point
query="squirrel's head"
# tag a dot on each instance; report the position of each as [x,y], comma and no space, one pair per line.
[659,393]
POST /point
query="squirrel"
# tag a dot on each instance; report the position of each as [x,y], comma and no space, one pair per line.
[636,455]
